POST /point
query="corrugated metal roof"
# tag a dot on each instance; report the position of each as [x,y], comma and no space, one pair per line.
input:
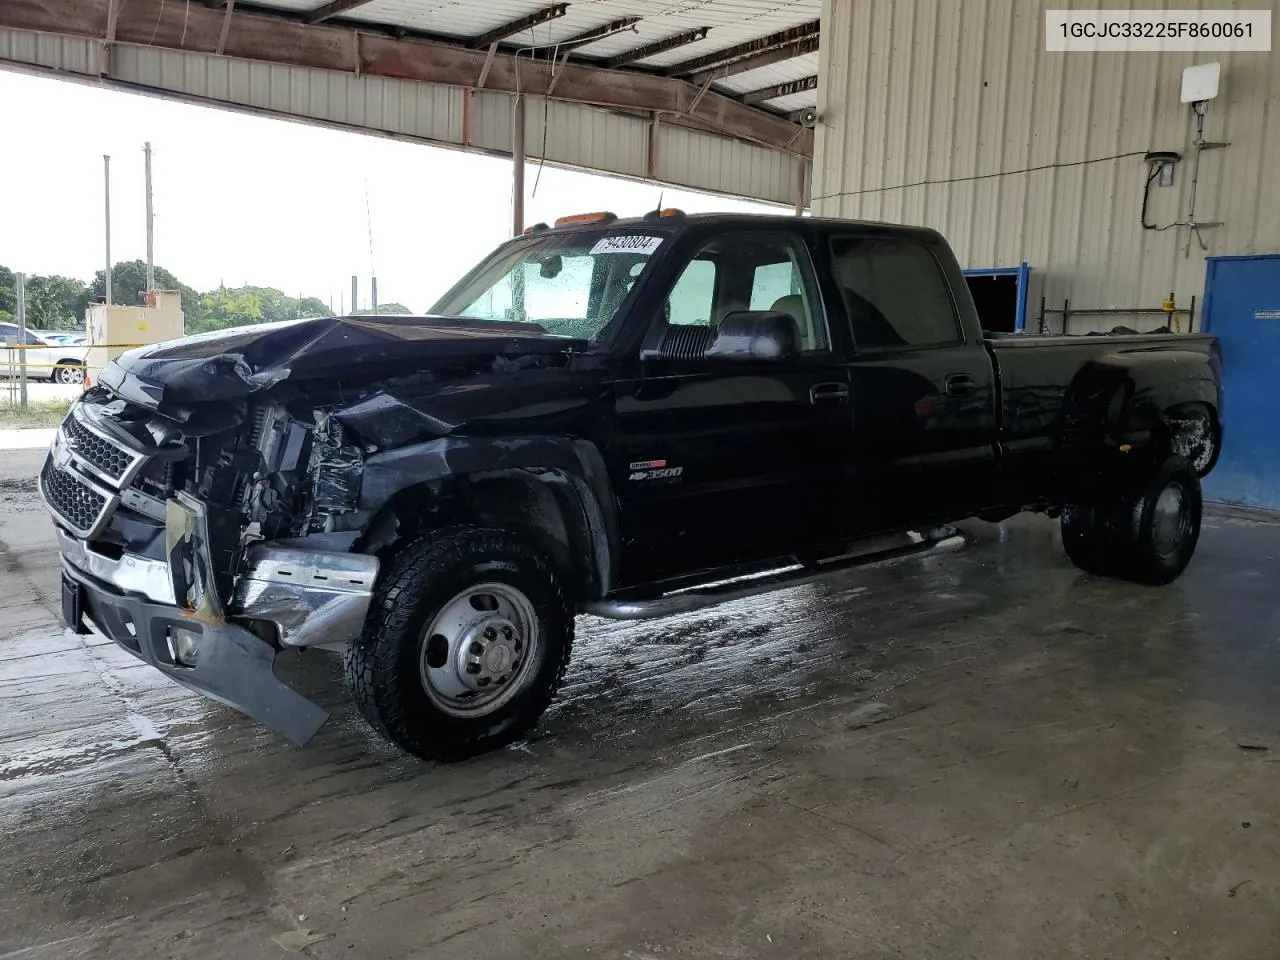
[731,22]
[788,70]
[772,75]
[792,103]
[294,6]
[578,136]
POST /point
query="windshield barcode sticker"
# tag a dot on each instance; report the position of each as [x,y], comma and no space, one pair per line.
[627,244]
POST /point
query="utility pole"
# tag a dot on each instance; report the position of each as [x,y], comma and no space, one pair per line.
[517,165]
[21,279]
[106,185]
[151,224]
[373,270]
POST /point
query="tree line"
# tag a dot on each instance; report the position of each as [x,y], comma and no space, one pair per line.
[59,303]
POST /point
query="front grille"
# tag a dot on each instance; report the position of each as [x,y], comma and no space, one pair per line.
[99,452]
[70,499]
[86,471]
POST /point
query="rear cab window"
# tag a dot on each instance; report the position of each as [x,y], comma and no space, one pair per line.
[895,293]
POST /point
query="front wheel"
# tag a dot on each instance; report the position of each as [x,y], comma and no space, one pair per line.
[68,375]
[467,641]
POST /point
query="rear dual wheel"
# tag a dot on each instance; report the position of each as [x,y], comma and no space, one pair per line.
[1148,537]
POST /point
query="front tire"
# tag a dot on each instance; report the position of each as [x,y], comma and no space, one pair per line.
[467,641]
[68,375]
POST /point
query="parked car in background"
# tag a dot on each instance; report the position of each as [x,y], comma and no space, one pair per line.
[65,339]
[45,359]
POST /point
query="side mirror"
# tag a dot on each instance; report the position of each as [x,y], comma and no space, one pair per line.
[755,336]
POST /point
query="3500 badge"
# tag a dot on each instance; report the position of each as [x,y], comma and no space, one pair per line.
[654,470]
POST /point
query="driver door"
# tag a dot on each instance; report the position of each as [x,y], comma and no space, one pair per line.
[725,463]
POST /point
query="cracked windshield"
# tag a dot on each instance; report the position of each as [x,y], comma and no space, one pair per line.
[570,286]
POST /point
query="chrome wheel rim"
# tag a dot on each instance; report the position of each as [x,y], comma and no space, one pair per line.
[1170,521]
[479,649]
[70,375]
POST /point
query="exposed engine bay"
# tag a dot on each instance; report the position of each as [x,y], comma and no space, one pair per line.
[255,486]
[278,470]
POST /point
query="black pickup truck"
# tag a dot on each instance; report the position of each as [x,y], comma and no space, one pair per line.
[624,418]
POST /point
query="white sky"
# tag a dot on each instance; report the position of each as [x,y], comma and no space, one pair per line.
[268,202]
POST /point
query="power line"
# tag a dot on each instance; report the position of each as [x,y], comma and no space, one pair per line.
[981,176]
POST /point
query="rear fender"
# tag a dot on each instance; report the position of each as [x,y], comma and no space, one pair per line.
[1127,397]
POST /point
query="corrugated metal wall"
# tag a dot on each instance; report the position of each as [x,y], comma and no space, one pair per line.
[576,136]
[950,113]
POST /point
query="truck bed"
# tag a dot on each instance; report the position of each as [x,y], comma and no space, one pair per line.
[1057,391]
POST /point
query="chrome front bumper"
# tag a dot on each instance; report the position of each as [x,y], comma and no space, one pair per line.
[129,574]
[314,599]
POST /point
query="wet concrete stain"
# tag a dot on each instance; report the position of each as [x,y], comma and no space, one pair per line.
[984,754]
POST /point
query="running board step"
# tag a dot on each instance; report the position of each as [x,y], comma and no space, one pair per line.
[697,598]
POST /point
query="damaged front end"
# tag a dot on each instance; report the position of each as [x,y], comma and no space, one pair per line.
[211,498]
[205,547]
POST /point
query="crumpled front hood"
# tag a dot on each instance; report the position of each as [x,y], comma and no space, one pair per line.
[227,364]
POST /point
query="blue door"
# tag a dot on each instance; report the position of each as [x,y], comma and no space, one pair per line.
[1242,309]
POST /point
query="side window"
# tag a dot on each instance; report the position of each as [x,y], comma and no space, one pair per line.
[692,298]
[33,340]
[750,272]
[895,293]
[772,282]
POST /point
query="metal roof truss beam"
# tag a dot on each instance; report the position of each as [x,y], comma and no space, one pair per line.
[537,18]
[779,90]
[790,51]
[590,36]
[749,51]
[653,49]
[332,9]
[257,35]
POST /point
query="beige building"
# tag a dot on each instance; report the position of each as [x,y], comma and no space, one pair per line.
[111,330]
[951,113]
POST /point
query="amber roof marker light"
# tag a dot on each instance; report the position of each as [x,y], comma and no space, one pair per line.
[598,217]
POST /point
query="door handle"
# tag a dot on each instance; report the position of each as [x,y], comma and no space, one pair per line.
[829,393]
[961,385]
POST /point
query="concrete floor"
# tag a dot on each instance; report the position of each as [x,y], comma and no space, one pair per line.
[984,754]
